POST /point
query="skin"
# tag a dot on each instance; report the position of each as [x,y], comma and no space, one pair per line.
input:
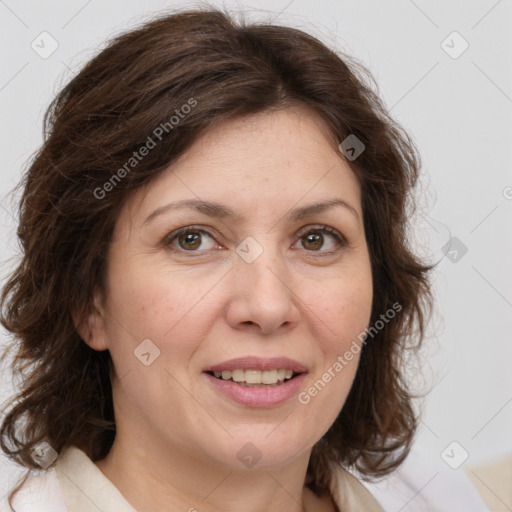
[177,436]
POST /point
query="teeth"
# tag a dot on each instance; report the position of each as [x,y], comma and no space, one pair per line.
[269,377]
[252,378]
[238,375]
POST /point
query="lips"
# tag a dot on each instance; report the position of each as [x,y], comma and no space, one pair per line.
[257,382]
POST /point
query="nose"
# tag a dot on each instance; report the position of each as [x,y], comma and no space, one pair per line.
[261,295]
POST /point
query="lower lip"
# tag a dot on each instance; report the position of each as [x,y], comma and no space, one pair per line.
[270,396]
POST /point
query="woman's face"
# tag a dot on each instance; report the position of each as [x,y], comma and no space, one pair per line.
[255,284]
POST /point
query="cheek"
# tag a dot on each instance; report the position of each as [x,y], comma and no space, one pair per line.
[173,310]
[341,340]
[148,300]
[341,312]
[343,308]
[161,308]
[344,316]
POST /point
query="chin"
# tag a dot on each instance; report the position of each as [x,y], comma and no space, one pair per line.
[263,449]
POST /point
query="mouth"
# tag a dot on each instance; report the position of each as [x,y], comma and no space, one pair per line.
[256,382]
[253,378]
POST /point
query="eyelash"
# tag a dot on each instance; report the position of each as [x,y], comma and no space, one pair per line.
[340,239]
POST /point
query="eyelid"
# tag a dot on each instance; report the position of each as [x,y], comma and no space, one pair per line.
[167,240]
[340,238]
[324,228]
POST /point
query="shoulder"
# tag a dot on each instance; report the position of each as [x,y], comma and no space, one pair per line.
[40,493]
[494,482]
[349,493]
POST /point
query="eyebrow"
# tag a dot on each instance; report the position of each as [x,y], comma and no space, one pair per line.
[221,211]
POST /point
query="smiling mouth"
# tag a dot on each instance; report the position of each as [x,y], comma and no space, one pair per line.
[256,378]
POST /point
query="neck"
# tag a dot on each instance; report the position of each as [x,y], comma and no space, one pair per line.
[152,478]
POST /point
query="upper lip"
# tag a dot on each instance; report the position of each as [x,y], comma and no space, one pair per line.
[258,363]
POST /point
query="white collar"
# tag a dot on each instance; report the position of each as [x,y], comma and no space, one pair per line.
[87,489]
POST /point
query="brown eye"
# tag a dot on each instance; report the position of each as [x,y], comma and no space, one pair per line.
[312,241]
[190,240]
[323,240]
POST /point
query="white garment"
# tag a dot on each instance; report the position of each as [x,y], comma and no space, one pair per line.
[75,484]
[41,493]
[419,486]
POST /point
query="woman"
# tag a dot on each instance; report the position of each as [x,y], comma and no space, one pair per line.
[216,288]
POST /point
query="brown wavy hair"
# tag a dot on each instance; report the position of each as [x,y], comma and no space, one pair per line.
[94,126]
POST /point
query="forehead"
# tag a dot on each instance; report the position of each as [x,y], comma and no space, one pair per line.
[259,164]
[270,139]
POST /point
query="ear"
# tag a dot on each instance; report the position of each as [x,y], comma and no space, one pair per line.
[91,325]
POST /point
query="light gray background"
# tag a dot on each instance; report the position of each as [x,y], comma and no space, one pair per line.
[459,112]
